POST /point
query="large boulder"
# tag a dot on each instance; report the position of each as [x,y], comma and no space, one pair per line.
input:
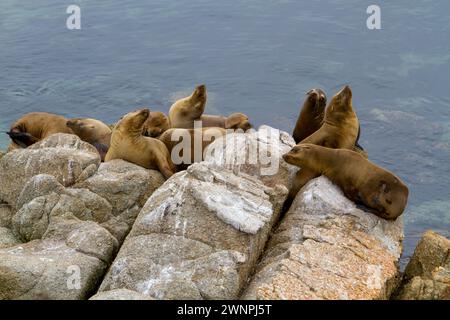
[198,236]
[48,270]
[256,153]
[326,248]
[58,225]
[63,156]
[427,275]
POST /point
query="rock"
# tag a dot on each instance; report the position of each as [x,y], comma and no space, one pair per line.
[326,248]
[126,187]
[1,154]
[198,236]
[7,238]
[70,229]
[427,275]
[6,214]
[62,156]
[47,270]
[257,153]
[120,294]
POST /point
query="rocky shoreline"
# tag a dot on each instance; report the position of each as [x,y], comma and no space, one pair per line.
[72,227]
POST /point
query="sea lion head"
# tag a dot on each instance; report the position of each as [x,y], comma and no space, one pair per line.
[197,100]
[389,197]
[238,121]
[299,155]
[341,102]
[133,122]
[156,124]
[317,99]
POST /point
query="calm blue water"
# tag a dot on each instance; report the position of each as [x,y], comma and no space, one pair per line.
[255,56]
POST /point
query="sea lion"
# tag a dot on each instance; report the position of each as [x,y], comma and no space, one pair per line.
[339,130]
[311,115]
[361,180]
[36,126]
[92,131]
[184,112]
[194,141]
[128,143]
[234,121]
[156,124]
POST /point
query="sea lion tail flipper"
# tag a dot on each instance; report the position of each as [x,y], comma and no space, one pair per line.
[22,139]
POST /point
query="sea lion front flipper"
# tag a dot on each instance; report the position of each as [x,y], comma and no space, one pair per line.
[22,139]
[102,149]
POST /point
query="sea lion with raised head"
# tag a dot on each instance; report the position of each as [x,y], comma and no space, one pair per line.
[34,127]
[361,180]
[311,115]
[184,112]
[129,144]
[340,130]
[92,131]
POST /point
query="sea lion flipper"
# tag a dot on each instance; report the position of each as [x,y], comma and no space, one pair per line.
[102,149]
[22,139]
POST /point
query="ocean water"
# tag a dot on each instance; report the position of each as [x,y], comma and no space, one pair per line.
[255,56]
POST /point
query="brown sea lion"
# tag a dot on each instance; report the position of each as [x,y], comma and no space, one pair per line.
[128,143]
[234,121]
[361,180]
[36,126]
[92,131]
[156,124]
[184,112]
[311,115]
[339,130]
[195,141]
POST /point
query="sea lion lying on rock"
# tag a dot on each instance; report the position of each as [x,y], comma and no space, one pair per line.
[184,112]
[194,141]
[361,180]
[34,127]
[92,131]
[128,143]
[234,121]
[156,124]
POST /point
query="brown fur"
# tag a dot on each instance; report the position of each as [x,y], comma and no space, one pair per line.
[39,125]
[156,124]
[311,115]
[234,121]
[92,131]
[339,130]
[128,143]
[205,134]
[361,180]
[184,112]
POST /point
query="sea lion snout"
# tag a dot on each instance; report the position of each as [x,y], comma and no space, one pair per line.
[346,92]
[200,90]
[317,97]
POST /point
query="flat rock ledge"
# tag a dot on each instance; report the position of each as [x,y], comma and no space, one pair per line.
[326,248]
